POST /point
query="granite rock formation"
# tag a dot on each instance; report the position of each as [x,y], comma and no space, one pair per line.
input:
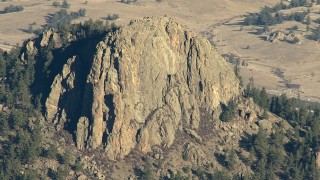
[147,81]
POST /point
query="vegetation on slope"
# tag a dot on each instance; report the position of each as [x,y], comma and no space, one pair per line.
[23,84]
[22,77]
[269,16]
[296,158]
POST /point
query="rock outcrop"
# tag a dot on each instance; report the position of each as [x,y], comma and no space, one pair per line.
[286,36]
[51,36]
[194,154]
[147,81]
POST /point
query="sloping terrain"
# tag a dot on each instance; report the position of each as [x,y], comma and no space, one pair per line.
[149,89]
[148,100]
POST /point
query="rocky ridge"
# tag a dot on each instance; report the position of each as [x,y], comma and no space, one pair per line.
[147,81]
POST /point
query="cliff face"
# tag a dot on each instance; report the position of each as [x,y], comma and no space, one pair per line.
[147,81]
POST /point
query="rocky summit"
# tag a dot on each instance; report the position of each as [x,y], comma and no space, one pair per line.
[111,98]
[147,81]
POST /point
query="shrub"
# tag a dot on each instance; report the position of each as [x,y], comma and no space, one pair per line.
[60,173]
[294,28]
[64,158]
[298,16]
[82,12]
[65,4]
[11,8]
[317,21]
[228,111]
[51,152]
[251,19]
[260,31]
[77,165]
[128,1]
[316,34]
[112,17]
[56,4]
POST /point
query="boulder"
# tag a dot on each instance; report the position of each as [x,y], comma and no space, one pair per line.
[194,154]
[265,124]
[192,133]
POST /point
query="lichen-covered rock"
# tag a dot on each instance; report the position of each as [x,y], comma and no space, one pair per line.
[194,154]
[265,124]
[282,35]
[64,98]
[193,134]
[318,159]
[146,81]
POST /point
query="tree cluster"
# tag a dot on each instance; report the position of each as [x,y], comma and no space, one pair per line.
[61,18]
[271,15]
[23,146]
[287,160]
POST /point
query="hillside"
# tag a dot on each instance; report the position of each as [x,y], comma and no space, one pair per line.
[148,100]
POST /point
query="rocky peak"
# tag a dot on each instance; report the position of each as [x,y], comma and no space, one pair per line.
[147,81]
[51,35]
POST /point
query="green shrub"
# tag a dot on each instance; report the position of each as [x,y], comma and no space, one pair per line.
[11,9]
[60,173]
[228,111]
[51,152]
[112,17]
[65,4]
[56,4]
[77,165]
[64,158]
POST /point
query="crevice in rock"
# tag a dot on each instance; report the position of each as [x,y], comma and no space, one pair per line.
[169,78]
[150,116]
[200,86]
[116,64]
[247,116]
[138,135]
[105,138]
[108,100]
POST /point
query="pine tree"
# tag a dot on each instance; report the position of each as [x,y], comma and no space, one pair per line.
[261,173]
[2,65]
[308,20]
[297,174]
[231,159]
[65,4]
[263,98]
[261,143]
[251,156]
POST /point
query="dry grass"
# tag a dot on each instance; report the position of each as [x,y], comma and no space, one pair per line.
[195,15]
[298,62]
